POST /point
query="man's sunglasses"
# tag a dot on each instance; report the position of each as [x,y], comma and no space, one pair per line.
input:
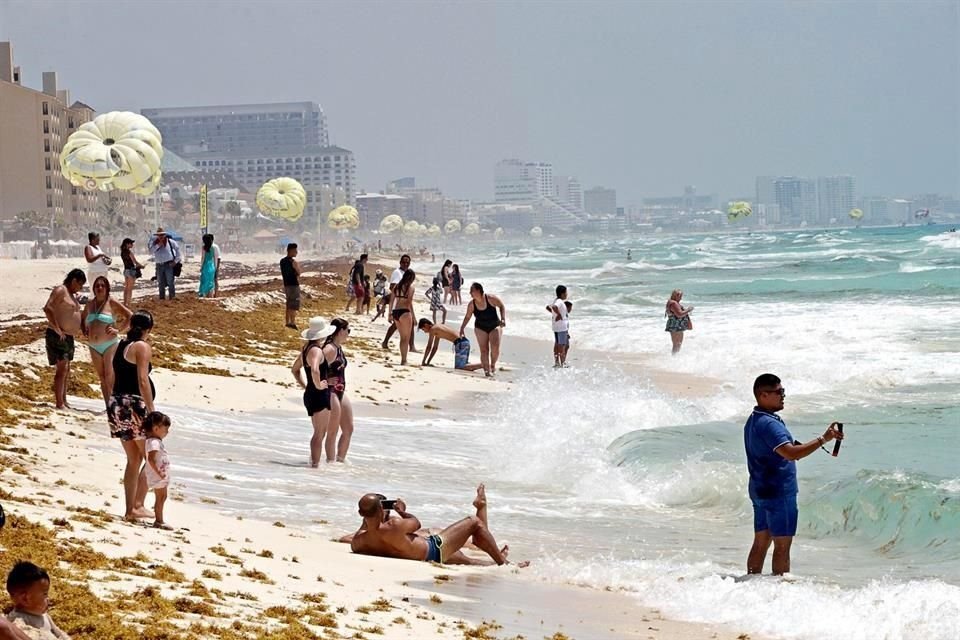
[780,392]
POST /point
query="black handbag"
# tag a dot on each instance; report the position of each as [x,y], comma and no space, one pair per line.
[177,269]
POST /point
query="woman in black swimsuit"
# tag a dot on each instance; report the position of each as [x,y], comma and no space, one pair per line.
[316,395]
[488,325]
[401,305]
[444,276]
[333,369]
[131,401]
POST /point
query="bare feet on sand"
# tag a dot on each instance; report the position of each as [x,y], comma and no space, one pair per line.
[505,551]
[140,513]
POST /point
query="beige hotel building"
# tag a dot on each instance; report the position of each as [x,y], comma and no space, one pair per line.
[34,125]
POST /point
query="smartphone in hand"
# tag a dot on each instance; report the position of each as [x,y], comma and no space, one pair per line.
[836,445]
[388,505]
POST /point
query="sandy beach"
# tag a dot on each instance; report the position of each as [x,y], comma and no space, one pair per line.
[223,576]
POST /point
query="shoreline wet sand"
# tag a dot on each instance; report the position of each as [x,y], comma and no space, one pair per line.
[223,575]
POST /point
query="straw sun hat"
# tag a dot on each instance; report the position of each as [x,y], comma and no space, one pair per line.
[318,326]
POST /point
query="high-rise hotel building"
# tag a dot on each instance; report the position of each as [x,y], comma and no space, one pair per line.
[257,142]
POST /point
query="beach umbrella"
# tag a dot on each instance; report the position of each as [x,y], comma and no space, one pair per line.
[452,226]
[282,198]
[391,224]
[411,228]
[471,229]
[498,232]
[856,214]
[422,230]
[116,150]
[536,232]
[738,209]
[434,231]
[343,217]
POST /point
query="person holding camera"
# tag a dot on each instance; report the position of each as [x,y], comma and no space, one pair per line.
[771,461]
[388,536]
[169,262]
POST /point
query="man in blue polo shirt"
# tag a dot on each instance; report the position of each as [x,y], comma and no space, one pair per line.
[771,460]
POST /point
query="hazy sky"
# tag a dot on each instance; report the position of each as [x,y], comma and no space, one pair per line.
[641,96]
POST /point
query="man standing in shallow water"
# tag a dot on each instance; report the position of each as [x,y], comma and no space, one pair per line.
[63,323]
[771,460]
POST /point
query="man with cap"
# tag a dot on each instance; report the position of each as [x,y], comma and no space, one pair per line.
[166,255]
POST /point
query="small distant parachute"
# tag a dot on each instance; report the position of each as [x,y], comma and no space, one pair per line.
[343,217]
[471,229]
[282,198]
[921,213]
[453,226]
[856,214]
[738,209]
[536,232]
[391,224]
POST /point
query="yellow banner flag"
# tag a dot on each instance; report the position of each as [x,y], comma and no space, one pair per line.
[203,207]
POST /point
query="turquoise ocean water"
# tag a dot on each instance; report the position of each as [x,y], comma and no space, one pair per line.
[609,482]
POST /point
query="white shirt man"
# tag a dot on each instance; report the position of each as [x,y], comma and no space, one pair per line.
[561,326]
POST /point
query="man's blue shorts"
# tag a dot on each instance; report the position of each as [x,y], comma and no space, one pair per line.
[561,338]
[779,515]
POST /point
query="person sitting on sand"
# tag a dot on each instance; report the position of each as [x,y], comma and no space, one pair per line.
[388,536]
[29,586]
[461,346]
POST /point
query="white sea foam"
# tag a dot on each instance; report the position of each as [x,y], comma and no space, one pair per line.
[950,240]
[798,608]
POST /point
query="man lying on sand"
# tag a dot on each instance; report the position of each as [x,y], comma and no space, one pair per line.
[396,536]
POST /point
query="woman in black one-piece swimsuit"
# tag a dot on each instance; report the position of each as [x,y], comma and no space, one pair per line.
[341,410]
[316,395]
[488,326]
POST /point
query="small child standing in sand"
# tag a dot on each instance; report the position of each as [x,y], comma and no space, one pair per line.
[156,426]
[435,295]
[366,295]
[29,586]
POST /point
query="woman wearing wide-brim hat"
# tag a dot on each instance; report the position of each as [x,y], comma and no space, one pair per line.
[316,394]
